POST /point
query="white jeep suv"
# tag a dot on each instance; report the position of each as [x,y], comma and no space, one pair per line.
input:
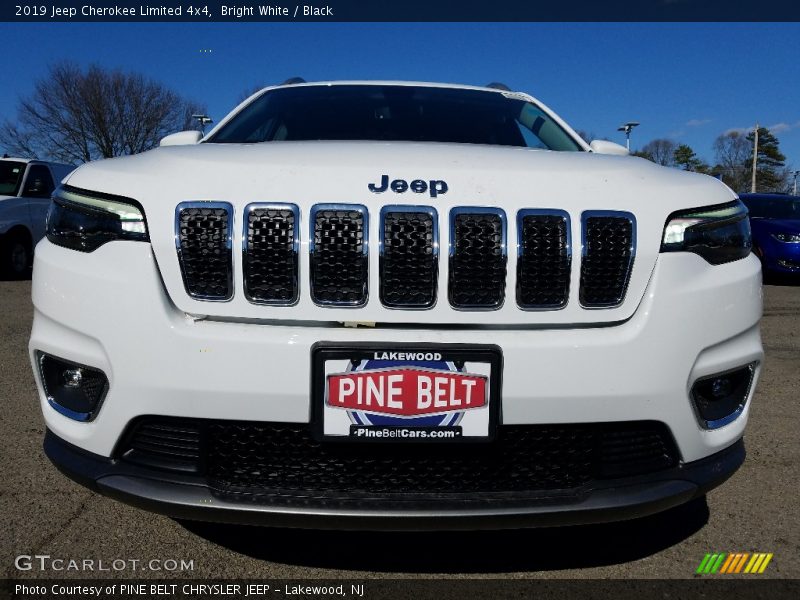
[395,305]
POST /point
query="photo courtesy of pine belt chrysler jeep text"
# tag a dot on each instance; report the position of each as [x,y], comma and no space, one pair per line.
[393,305]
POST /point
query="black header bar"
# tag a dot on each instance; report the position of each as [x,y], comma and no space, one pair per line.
[205,11]
[708,588]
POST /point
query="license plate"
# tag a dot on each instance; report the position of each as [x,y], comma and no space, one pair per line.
[405,393]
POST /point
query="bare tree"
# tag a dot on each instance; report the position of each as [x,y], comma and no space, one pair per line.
[733,153]
[77,116]
[660,151]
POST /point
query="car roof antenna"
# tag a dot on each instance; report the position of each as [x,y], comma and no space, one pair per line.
[294,80]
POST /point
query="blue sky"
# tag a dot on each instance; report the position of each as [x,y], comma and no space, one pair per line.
[689,82]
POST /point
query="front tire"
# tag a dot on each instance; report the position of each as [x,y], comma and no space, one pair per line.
[15,256]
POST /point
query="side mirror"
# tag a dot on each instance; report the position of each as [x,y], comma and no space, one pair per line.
[606,147]
[182,138]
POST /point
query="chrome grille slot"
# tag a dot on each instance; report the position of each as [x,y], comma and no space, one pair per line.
[477,277]
[609,242]
[409,256]
[203,233]
[339,254]
[544,259]
[270,246]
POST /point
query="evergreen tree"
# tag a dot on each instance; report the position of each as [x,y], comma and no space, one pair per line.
[771,172]
[685,158]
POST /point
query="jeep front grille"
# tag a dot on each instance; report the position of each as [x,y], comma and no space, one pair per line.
[203,238]
[544,259]
[409,257]
[609,242]
[269,261]
[339,254]
[477,258]
[408,264]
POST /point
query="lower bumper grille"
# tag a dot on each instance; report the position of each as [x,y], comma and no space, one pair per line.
[283,463]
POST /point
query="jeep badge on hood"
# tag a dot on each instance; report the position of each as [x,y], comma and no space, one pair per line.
[434,187]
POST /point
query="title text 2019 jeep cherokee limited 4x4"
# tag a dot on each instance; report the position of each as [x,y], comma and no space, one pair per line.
[395,305]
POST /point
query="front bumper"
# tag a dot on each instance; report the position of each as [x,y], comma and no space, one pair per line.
[187,497]
[694,321]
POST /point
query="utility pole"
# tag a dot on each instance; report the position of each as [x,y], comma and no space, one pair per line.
[755,160]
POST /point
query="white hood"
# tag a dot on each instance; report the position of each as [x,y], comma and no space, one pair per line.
[307,173]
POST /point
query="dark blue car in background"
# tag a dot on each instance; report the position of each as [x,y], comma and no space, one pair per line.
[775,222]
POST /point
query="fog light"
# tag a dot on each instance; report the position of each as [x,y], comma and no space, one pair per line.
[720,387]
[76,391]
[720,398]
[72,378]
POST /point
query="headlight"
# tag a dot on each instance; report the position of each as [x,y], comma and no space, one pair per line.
[719,234]
[789,238]
[86,220]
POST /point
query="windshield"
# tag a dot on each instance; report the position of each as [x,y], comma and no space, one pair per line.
[10,177]
[394,113]
[774,208]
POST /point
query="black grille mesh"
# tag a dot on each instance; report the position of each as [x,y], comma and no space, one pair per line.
[93,384]
[408,263]
[339,266]
[169,444]
[635,450]
[543,266]
[270,263]
[205,253]
[280,462]
[477,262]
[607,260]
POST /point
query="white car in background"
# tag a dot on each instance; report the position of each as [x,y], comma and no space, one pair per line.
[395,305]
[25,190]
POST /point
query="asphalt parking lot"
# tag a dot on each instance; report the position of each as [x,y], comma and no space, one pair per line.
[756,511]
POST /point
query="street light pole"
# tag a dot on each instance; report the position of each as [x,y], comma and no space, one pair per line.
[203,120]
[627,128]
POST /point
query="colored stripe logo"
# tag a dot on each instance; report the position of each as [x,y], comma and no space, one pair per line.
[734,562]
